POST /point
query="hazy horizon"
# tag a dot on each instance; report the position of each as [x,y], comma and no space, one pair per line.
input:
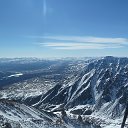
[68,57]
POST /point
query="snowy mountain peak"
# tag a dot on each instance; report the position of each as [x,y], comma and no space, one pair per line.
[102,84]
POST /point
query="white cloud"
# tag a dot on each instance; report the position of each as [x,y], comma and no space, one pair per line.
[88,39]
[77,42]
[76,46]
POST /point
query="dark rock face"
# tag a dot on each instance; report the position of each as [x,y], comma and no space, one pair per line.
[102,81]
[81,112]
[7,125]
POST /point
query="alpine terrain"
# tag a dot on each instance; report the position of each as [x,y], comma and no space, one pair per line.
[63,93]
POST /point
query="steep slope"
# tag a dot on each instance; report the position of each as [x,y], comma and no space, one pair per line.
[102,85]
[16,115]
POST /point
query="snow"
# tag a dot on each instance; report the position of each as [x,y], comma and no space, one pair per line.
[99,119]
[97,76]
[16,75]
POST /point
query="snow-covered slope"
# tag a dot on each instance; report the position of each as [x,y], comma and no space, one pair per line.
[95,88]
[102,85]
[16,115]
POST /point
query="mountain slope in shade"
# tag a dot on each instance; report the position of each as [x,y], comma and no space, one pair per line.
[102,87]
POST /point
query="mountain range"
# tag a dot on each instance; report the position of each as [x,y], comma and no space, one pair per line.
[94,88]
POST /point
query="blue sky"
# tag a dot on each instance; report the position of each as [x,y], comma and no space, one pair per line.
[63,28]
